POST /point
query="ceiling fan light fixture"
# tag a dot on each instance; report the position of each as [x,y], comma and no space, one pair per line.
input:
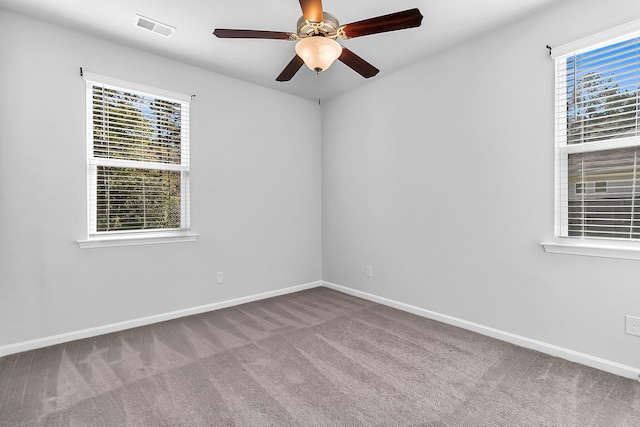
[317,52]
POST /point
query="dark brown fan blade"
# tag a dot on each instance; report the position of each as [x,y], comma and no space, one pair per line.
[224,33]
[290,70]
[312,10]
[395,21]
[357,64]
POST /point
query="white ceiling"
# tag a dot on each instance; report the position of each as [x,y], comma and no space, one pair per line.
[445,23]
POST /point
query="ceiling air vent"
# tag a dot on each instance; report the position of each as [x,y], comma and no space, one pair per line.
[154,26]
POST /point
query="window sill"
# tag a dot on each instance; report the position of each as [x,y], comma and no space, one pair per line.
[135,240]
[593,248]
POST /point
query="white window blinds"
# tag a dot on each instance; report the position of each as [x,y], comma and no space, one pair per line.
[138,158]
[600,93]
[603,199]
[598,140]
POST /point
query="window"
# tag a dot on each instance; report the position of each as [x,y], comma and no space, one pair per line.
[601,187]
[598,143]
[137,164]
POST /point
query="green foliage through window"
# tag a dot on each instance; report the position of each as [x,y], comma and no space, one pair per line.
[139,156]
[137,199]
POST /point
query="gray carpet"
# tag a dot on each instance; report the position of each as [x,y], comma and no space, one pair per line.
[313,358]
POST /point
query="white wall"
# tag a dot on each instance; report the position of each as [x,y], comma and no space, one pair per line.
[440,177]
[255,190]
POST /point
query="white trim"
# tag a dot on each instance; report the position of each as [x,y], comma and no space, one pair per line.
[99,239]
[135,240]
[590,147]
[612,35]
[591,248]
[137,87]
[622,248]
[134,323]
[560,209]
[553,350]
[136,164]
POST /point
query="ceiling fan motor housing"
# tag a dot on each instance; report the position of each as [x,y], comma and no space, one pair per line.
[329,27]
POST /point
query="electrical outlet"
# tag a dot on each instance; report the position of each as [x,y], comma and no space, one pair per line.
[632,325]
[369,271]
[220,277]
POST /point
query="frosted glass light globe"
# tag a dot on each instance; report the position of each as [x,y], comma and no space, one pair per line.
[318,53]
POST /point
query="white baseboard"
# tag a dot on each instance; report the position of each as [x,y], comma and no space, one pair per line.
[553,350]
[120,326]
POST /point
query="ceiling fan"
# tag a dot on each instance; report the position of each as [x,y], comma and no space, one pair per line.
[316,38]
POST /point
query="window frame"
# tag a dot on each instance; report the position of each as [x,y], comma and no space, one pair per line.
[96,238]
[588,246]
